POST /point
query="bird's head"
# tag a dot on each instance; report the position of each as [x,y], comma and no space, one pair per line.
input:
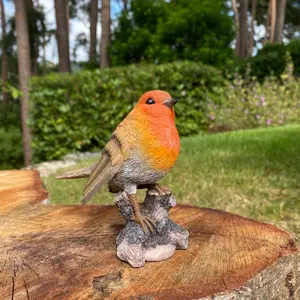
[157,104]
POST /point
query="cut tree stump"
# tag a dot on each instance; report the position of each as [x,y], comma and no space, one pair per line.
[69,252]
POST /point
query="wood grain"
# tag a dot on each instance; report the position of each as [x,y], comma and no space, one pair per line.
[69,252]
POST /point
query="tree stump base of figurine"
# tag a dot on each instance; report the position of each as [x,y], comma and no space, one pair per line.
[50,251]
[136,246]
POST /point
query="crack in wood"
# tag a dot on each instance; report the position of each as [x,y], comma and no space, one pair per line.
[29,267]
[13,288]
[3,266]
[289,285]
[89,259]
[224,282]
[25,286]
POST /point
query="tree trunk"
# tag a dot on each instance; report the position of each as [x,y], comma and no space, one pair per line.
[280,20]
[268,19]
[69,252]
[44,56]
[34,63]
[93,29]
[125,5]
[273,21]
[243,29]
[24,73]
[68,14]
[4,67]
[253,13]
[237,26]
[62,35]
[34,48]
[105,34]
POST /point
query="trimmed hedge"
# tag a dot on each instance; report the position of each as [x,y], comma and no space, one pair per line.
[11,148]
[272,60]
[10,137]
[79,112]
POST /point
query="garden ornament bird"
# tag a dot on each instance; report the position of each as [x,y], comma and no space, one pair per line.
[141,151]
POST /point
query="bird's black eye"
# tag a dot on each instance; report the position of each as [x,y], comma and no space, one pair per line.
[150,101]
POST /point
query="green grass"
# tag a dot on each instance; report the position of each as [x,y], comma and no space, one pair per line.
[254,173]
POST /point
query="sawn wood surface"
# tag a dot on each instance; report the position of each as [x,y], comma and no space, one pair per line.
[69,252]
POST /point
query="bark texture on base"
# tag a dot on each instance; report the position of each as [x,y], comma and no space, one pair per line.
[134,245]
[69,252]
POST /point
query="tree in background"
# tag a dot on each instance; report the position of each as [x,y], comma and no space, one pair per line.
[24,73]
[275,20]
[34,47]
[37,35]
[93,29]
[252,32]
[292,19]
[157,31]
[242,38]
[37,31]
[125,5]
[271,59]
[287,18]
[237,25]
[281,7]
[270,13]
[105,34]
[273,8]
[62,35]
[4,57]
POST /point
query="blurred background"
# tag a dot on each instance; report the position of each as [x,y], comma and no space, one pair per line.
[72,70]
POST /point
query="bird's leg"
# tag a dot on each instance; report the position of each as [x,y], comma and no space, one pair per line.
[145,222]
[161,190]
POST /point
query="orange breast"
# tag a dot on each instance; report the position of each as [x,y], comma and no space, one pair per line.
[160,143]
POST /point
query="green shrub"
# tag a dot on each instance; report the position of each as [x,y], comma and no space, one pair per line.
[10,137]
[271,60]
[293,49]
[9,115]
[11,148]
[257,105]
[79,112]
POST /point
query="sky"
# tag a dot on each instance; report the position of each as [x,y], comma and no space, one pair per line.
[77,26]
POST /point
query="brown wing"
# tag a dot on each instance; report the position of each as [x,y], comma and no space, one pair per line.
[113,156]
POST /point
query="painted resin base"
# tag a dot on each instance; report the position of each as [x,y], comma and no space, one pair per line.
[137,247]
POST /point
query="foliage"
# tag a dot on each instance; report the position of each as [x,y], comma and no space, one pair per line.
[9,115]
[10,148]
[10,136]
[157,31]
[271,59]
[79,112]
[293,49]
[251,104]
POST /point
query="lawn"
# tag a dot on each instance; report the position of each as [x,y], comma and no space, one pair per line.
[254,173]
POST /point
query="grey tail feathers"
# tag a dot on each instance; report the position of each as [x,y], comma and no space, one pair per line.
[80,173]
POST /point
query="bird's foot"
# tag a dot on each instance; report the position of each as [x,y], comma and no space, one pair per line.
[159,190]
[146,223]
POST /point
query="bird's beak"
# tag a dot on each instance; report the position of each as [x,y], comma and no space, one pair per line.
[170,102]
